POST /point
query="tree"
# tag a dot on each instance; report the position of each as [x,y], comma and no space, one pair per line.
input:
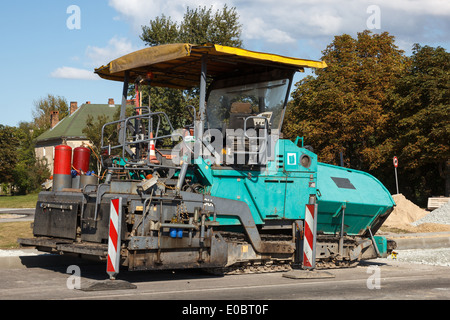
[372,103]
[28,173]
[44,107]
[162,30]
[18,165]
[199,26]
[421,104]
[344,108]
[8,153]
[93,132]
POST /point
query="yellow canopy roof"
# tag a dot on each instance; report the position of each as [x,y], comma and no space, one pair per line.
[179,65]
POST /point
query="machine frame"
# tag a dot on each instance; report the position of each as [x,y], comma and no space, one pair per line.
[183,209]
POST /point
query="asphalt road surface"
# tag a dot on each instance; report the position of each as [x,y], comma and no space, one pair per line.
[16,215]
[383,279]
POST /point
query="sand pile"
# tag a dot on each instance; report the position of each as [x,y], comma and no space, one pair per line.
[406,213]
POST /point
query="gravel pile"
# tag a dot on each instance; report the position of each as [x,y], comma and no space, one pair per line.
[440,215]
[435,257]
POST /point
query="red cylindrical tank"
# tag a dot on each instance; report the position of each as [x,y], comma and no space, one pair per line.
[81,156]
[63,160]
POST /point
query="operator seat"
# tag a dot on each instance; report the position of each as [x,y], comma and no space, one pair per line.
[238,112]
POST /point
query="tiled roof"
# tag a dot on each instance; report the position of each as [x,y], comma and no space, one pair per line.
[71,127]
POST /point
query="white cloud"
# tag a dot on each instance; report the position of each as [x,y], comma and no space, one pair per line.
[286,20]
[417,7]
[257,29]
[115,48]
[323,23]
[281,25]
[74,73]
[140,12]
[96,57]
[274,25]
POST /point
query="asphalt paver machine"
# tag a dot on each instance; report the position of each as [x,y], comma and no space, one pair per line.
[229,195]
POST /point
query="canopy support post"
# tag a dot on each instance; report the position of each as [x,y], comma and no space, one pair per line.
[123,108]
[203,96]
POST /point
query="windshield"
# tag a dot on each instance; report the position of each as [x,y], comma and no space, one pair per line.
[227,108]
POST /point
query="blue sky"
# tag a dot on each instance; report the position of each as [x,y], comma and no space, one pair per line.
[40,55]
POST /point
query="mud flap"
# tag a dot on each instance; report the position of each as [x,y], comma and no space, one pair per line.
[56,220]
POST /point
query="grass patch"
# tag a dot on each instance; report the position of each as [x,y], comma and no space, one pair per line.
[27,201]
[10,231]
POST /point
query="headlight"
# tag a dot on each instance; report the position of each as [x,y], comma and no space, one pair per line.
[305,161]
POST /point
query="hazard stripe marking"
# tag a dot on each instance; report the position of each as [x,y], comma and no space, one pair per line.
[112,266]
[309,236]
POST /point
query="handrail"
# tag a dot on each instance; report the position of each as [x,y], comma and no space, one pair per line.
[264,138]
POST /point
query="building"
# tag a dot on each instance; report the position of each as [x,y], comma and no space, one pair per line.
[70,129]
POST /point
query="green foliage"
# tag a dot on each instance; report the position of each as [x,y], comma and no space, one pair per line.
[8,152]
[421,107]
[18,165]
[162,30]
[373,102]
[93,132]
[421,102]
[44,107]
[29,172]
[199,26]
[344,109]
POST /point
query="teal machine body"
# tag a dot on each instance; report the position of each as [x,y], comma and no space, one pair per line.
[345,197]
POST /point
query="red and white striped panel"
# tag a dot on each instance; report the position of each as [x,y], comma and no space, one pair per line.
[309,243]
[112,267]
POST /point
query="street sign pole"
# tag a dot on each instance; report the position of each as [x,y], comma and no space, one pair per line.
[395,169]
